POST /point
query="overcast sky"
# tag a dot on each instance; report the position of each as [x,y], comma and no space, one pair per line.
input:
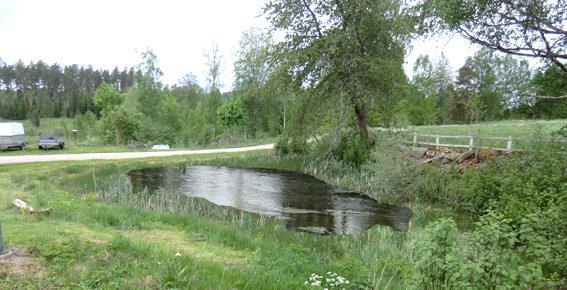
[109,33]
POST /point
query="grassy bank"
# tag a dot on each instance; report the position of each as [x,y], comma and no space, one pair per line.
[100,235]
[89,243]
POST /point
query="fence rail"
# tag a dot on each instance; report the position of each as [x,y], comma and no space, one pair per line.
[473,140]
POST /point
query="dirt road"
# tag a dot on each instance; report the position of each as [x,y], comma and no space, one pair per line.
[122,155]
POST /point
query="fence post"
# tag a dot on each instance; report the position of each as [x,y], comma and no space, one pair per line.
[471,142]
[509,144]
[437,143]
[415,139]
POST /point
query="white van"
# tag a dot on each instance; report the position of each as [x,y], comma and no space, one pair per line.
[12,136]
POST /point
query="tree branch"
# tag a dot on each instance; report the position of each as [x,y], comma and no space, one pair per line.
[315,21]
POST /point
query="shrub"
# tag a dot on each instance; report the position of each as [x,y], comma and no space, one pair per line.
[85,125]
[439,261]
[290,145]
[489,257]
[351,148]
[119,125]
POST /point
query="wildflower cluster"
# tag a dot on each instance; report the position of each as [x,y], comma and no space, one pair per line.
[326,281]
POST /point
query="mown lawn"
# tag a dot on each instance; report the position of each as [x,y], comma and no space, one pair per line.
[88,243]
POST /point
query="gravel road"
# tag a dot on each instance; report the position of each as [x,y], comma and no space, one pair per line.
[122,155]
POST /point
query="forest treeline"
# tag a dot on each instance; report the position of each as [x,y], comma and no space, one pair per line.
[489,86]
[54,91]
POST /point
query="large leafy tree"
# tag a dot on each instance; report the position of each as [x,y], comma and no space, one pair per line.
[514,77]
[444,88]
[350,49]
[254,80]
[532,28]
[420,104]
[485,64]
[466,89]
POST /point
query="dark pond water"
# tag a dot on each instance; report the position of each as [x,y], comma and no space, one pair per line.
[301,201]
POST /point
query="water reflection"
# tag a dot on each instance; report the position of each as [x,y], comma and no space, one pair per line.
[301,201]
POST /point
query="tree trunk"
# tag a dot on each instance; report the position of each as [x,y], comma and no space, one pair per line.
[362,119]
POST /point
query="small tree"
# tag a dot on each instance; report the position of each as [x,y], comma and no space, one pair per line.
[107,97]
[120,125]
[475,108]
[232,114]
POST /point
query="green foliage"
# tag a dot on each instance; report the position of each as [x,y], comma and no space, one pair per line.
[287,144]
[120,125]
[551,83]
[232,114]
[175,273]
[438,258]
[339,59]
[476,108]
[58,92]
[33,114]
[485,258]
[149,85]
[351,148]
[106,97]
[535,32]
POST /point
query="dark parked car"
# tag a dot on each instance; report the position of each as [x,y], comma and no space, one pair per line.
[50,141]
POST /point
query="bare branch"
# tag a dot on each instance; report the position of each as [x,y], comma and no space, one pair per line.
[315,21]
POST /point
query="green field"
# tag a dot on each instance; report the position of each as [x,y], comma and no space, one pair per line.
[514,128]
[527,134]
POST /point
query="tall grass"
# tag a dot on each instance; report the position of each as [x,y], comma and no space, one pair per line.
[117,188]
[377,258]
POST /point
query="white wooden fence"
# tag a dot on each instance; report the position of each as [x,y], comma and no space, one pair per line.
[473,140]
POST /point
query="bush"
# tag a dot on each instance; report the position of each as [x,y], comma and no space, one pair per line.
[290,145]
[119,125]
[351,148]
[486,258]
[439,260]
[522,200]
[85,125]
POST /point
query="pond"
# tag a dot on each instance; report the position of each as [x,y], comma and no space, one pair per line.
[301,201]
